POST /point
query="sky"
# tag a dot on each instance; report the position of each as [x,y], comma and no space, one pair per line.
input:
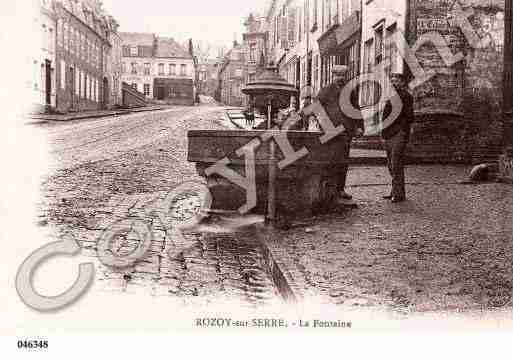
[216,21]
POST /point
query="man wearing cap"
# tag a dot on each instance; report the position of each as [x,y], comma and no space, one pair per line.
[307,120]
[396,136]
[329,97]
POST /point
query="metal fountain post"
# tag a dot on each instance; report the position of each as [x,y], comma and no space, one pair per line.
[269,85]
[271,191]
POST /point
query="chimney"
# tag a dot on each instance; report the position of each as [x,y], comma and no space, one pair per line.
[191,48]
[155,45]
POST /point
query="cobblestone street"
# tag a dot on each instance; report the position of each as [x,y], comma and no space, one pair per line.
[448,248]
[116,169]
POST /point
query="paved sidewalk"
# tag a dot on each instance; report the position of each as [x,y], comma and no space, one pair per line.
[92,114]
[449,247]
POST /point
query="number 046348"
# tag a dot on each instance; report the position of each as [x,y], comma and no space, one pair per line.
[32,344]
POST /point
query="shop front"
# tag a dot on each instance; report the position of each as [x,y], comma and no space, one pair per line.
[340,45]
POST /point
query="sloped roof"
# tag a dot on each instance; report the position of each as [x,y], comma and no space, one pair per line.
[169,48]
[137,38]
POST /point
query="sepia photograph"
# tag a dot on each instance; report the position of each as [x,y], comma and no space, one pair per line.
[300,167]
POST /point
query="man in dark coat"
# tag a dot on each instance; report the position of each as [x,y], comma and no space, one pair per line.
[329,97]
[396,136]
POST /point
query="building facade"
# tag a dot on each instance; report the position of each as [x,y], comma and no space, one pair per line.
[381,22]
[303,39]
[81,56]
[508,75]
[255,48]
[114,66]
[175,68]
[340,41]
[138,53]
[458,110]
[506,160]
[43,80]
[208,78]
[307,37]
[231,77]
[160,68]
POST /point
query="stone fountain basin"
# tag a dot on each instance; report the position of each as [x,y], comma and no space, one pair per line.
[305,187]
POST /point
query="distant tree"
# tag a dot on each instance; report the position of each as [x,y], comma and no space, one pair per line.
[221,51]
[203,51]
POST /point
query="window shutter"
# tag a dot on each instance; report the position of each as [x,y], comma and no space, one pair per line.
[283,32]
[292,26]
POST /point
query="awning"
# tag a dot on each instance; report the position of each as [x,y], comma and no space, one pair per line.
[340,35]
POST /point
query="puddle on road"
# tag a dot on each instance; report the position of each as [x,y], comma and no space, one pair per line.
[218,223]
[221,259]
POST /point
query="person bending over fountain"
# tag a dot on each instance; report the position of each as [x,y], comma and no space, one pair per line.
[329,97]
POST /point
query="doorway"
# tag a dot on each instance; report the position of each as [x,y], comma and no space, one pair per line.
[298,76]
[106,91]
[71,88]
[48,83]
[160,93]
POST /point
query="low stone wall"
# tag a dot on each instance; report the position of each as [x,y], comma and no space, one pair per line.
[443,137]
[438,137]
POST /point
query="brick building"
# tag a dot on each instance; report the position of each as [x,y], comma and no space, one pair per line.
[208,77]
[508,74]
[163,70]
[459,110]
[81,56]
[231,76]
[506,160]
[254,47]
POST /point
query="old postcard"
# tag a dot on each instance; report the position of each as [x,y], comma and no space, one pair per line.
[299,167]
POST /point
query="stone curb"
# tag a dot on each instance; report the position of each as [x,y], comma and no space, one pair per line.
[279,267]
[65,118]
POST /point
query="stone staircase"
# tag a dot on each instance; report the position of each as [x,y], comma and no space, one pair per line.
[133,98]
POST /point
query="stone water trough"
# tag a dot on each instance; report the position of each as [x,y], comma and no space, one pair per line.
[304,187]
[293,189]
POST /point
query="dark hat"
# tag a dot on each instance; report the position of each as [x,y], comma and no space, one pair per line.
[339,69]
[306,92]
[397,76]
